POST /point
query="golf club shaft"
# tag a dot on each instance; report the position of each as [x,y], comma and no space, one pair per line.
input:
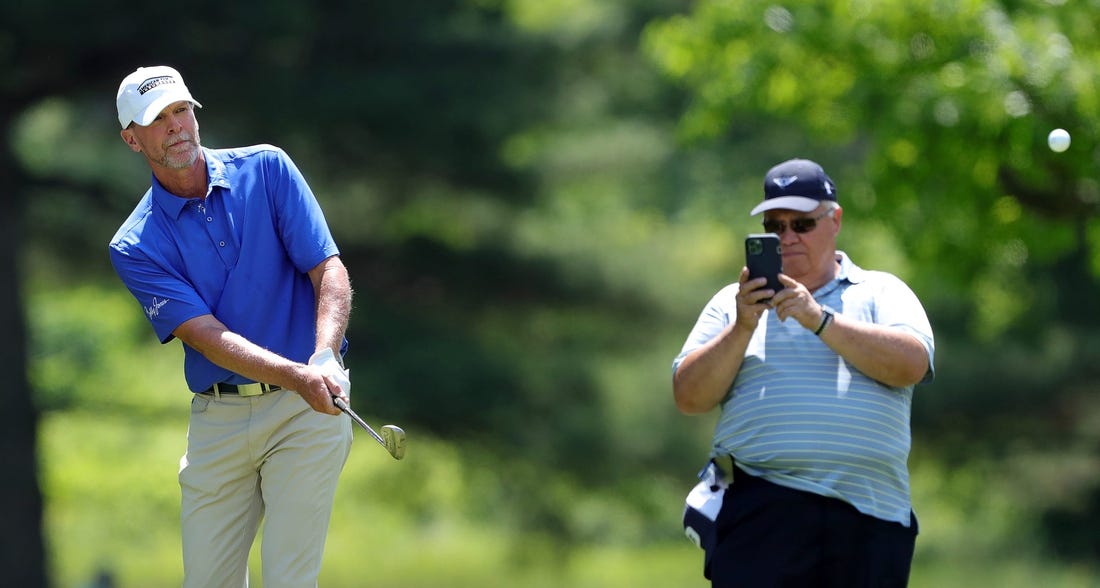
[339,402]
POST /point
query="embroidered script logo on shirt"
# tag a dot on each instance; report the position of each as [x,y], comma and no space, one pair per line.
[154,310]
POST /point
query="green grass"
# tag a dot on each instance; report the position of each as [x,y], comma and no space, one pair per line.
[112,503]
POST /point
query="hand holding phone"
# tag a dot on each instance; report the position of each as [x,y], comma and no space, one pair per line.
[764,258]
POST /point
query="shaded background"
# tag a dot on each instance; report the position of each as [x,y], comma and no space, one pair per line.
[535,198]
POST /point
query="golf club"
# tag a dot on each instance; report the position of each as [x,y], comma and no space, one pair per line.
[392,437]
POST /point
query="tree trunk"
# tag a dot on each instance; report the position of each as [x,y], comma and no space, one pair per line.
[22,551]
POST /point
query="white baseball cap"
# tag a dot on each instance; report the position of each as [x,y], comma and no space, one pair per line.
[147,91]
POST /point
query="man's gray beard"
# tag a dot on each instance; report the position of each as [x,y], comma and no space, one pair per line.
[176,164]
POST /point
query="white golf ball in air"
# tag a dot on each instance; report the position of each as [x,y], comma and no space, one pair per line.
[1058,139]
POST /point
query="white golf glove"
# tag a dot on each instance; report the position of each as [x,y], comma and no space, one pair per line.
[327,360]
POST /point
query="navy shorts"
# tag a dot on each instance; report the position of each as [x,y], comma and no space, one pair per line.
[770,536]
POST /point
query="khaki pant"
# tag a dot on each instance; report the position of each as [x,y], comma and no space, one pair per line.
[254,457]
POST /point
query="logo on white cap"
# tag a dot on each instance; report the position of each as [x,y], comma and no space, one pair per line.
[151,83]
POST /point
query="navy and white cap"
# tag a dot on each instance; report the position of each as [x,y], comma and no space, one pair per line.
[147,91]
[797,184]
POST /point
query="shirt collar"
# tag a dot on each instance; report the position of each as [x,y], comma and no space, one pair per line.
[848,270]
[173,205]
[216,171]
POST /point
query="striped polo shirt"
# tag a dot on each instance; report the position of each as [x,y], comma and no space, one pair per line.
[800,416]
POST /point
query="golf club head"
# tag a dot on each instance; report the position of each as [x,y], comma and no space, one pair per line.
[394,437]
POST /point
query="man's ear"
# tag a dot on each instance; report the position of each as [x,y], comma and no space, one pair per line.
[130,140]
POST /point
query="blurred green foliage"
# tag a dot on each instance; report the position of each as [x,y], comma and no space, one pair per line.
[535,198]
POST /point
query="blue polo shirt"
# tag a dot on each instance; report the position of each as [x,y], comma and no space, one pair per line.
[797,414]
[241,254]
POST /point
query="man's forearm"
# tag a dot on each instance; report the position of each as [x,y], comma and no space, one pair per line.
[332,286]
[229,350]
[887,355]
[703,378]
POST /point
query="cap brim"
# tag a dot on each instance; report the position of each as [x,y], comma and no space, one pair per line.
[799,203]
[149,114]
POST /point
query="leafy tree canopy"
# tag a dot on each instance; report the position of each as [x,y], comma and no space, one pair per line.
[935,117]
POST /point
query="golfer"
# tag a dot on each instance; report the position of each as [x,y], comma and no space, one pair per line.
[814,384]
[228,251]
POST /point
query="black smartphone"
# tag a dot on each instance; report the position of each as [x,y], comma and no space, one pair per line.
[764,258]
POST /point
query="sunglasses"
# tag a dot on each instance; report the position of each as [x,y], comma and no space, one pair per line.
[798,225]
